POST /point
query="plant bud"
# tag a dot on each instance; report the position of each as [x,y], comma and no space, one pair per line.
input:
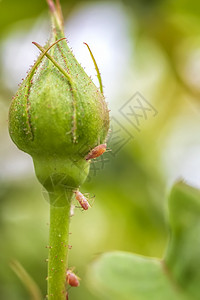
[58,115]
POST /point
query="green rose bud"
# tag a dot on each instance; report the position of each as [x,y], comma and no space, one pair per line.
[58,115]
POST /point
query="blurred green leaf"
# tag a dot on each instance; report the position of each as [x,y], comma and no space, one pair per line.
[182,257]
[27,281]
[121,275]
[127,276]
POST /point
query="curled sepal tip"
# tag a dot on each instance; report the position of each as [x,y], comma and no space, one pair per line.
[96,68]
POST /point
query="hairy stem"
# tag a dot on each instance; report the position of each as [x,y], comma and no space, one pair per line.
[58,251]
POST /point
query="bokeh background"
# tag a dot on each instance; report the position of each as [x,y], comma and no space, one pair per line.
[146,50]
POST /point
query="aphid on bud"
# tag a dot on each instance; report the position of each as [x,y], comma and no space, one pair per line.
[96,152]
[72,279]
[82,200]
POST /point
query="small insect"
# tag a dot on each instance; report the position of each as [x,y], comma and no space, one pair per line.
[72,279]
[96,152]
[82,200]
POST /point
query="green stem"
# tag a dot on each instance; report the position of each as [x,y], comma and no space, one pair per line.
[58,251]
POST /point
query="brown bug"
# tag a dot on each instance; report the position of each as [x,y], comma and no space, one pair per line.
[96,152]
[82,200]
[72,279]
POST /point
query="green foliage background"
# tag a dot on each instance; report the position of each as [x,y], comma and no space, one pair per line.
[130,211]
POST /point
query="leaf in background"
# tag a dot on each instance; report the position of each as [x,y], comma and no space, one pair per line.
[183,254]
[127,276]
[27,281]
